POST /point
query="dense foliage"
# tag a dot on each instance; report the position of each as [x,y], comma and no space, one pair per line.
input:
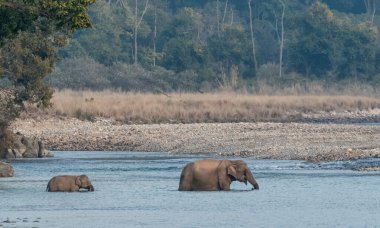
[31,31]
[201,45]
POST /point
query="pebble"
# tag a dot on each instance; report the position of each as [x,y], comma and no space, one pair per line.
[298,141]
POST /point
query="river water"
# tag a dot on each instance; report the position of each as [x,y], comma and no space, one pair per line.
[140,190]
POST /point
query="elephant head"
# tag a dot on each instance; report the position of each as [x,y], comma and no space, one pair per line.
[237,170]
[84,182]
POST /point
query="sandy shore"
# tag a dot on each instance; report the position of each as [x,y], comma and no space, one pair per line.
[312,142]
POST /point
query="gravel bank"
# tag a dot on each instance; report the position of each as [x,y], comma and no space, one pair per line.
[312,142]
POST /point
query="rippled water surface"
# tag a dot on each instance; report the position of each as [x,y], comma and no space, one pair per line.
[140,190]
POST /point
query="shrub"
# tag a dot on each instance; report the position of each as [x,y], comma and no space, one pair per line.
[79,73]
[135,78]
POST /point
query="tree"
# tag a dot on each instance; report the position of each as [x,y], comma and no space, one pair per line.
[184,49]
[371,6]
[252,36]
[155,34]
[30,33]
[320,43]
[358,56]
[282,37]
[347,6]
[138,19]
[195,36]
[229,49]
[111,34]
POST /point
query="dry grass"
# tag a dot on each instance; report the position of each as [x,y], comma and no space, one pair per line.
[207,107]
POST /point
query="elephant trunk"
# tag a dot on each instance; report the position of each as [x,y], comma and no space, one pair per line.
[252,180]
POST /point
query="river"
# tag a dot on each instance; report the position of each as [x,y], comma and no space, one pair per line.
[140,190]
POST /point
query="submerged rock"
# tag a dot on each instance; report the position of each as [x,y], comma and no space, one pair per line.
[20,146]
[6,170]
[367,169]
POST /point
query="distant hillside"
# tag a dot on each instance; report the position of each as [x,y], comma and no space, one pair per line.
[192,45]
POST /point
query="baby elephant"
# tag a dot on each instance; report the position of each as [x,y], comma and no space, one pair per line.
[69,184]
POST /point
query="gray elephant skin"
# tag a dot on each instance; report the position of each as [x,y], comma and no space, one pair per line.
[214,175]
[69,184]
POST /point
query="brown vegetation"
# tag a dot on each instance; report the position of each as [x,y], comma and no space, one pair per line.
[312,142]
[206,107]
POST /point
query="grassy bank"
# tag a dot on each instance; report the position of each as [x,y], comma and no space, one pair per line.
[206,107]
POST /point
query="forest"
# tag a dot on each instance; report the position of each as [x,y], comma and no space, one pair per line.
[193,45]
[161,46]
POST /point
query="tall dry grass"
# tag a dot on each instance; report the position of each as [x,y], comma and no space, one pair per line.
[196,107]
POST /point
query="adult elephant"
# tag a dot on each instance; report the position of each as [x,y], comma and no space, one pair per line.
[213,175]
[69,184]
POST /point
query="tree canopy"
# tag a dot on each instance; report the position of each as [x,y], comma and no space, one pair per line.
[215,41]
[31,31]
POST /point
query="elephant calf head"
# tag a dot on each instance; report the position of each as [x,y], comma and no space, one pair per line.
[238,170]
[84,182]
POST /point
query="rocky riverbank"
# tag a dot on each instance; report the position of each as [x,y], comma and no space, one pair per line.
[301,141]
[6,170]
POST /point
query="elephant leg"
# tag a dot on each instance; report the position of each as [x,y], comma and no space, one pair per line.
[74,188]
[225,186]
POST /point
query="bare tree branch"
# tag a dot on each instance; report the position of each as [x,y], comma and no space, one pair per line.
[282,37]
[252,36]
[225,11]
[137,26]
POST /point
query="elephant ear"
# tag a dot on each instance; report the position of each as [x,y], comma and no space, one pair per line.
[232,171]
[223,178]
[77,181]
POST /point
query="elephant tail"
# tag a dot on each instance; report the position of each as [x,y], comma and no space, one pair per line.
[48,187]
